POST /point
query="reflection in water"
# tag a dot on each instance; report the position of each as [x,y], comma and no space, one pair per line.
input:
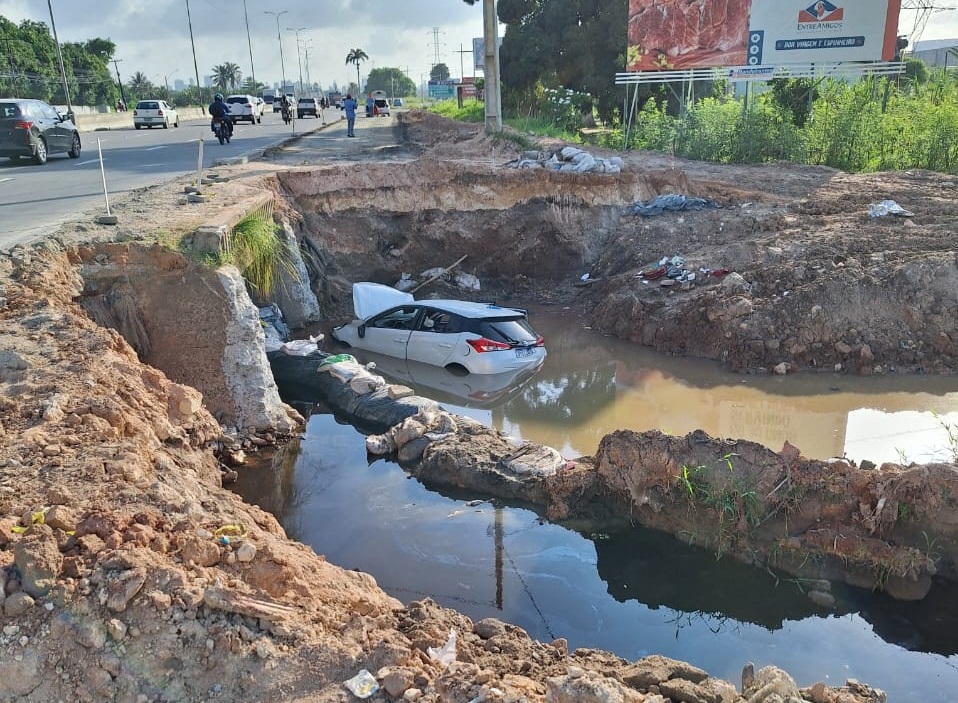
[633,592]
[591,385]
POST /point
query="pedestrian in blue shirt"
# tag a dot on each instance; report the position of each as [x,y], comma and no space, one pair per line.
[349,105]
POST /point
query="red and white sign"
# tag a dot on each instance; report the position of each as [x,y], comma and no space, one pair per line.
[684,34]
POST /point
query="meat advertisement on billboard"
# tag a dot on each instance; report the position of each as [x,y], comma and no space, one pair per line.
[684,34]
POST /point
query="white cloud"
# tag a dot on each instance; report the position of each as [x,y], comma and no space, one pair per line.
[153,36]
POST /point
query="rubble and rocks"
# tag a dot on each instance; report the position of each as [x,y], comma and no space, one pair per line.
[569,159]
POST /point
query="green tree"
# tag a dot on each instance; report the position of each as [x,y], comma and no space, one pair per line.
[392,80]
[139,87]
[356,56]
[574,44]
[226,76]
[439,72]
[252,88]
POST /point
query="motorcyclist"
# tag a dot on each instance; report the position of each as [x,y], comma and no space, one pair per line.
[285,106]
[219,110]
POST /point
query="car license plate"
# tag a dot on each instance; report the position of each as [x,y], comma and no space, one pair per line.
[523,352]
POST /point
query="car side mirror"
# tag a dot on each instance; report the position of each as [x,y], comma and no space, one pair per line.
[361,331]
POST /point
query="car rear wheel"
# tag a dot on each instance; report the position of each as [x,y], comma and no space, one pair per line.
[40,155]
[137,126]
[177,123]
[166,123]
[74,152]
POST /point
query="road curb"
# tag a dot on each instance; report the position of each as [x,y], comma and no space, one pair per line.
[261,152]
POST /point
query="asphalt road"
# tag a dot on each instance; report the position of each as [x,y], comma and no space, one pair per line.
[36,200]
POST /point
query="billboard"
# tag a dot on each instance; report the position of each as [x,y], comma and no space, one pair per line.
[479,52]
[684,34]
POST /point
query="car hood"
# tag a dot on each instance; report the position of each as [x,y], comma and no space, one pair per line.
[372,298]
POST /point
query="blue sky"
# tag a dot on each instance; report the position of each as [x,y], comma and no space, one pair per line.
[152,36]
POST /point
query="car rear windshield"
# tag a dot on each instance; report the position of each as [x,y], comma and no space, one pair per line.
[147,105]
[511,330]
[237,99]
[307,101]
[9,110]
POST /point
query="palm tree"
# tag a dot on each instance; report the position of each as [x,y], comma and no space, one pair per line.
[227,76]
[140,85]
[356,56]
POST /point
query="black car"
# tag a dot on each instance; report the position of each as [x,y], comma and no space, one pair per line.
[35,129]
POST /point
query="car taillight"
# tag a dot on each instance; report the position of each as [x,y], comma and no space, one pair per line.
[134,113]
[248,105]
[487,345]
[540,342]
[159,113]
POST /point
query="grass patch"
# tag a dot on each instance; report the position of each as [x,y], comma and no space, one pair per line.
[470,111]
[258,253]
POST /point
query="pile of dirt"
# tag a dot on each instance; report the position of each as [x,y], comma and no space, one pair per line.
[130,574]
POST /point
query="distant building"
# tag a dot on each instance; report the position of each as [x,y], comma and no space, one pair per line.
[178,84]
[208,81]
[936,52]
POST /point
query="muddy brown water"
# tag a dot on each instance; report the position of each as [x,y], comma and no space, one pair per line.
[630,591]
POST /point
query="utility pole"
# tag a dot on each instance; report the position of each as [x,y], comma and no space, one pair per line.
[490,26]
[298,57]
[462,70]
[63,72]
[199,89]
[279,38]
[119,82]
[250,42]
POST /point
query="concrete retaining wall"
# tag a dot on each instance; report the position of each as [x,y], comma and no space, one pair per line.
[91,122]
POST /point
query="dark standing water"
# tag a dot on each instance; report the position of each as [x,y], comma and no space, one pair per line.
[632,592]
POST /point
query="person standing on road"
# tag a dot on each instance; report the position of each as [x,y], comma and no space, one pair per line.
[349,105]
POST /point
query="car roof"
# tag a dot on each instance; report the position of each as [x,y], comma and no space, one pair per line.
[467,308]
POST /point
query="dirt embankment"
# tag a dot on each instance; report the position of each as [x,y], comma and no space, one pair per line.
[129,574]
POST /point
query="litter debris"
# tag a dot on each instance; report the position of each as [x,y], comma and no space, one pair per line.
[569,159]
[888,207]
[301,347]
[363,684]
[447,654]
[672,202]
[276,331]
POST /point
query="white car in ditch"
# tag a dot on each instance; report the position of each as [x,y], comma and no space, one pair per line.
[461,336]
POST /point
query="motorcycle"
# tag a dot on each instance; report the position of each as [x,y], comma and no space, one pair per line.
[287,114]
[221,129]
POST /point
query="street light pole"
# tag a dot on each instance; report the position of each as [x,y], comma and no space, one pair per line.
[309,81]
[252,68]
[199,90]
[279,38]
[63,72]
[298,59]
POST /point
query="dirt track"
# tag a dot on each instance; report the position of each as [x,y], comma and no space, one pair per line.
[147,581]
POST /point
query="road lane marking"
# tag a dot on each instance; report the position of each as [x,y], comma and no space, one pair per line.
[4,180]
[154,148]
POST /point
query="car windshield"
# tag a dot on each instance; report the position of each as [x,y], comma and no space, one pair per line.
[147,105]
[511,330]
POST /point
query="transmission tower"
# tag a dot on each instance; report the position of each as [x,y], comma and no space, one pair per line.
[436,44]
[923,10]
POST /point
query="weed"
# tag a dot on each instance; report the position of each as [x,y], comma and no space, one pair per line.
[903,512]
[951,435]
[258,253]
